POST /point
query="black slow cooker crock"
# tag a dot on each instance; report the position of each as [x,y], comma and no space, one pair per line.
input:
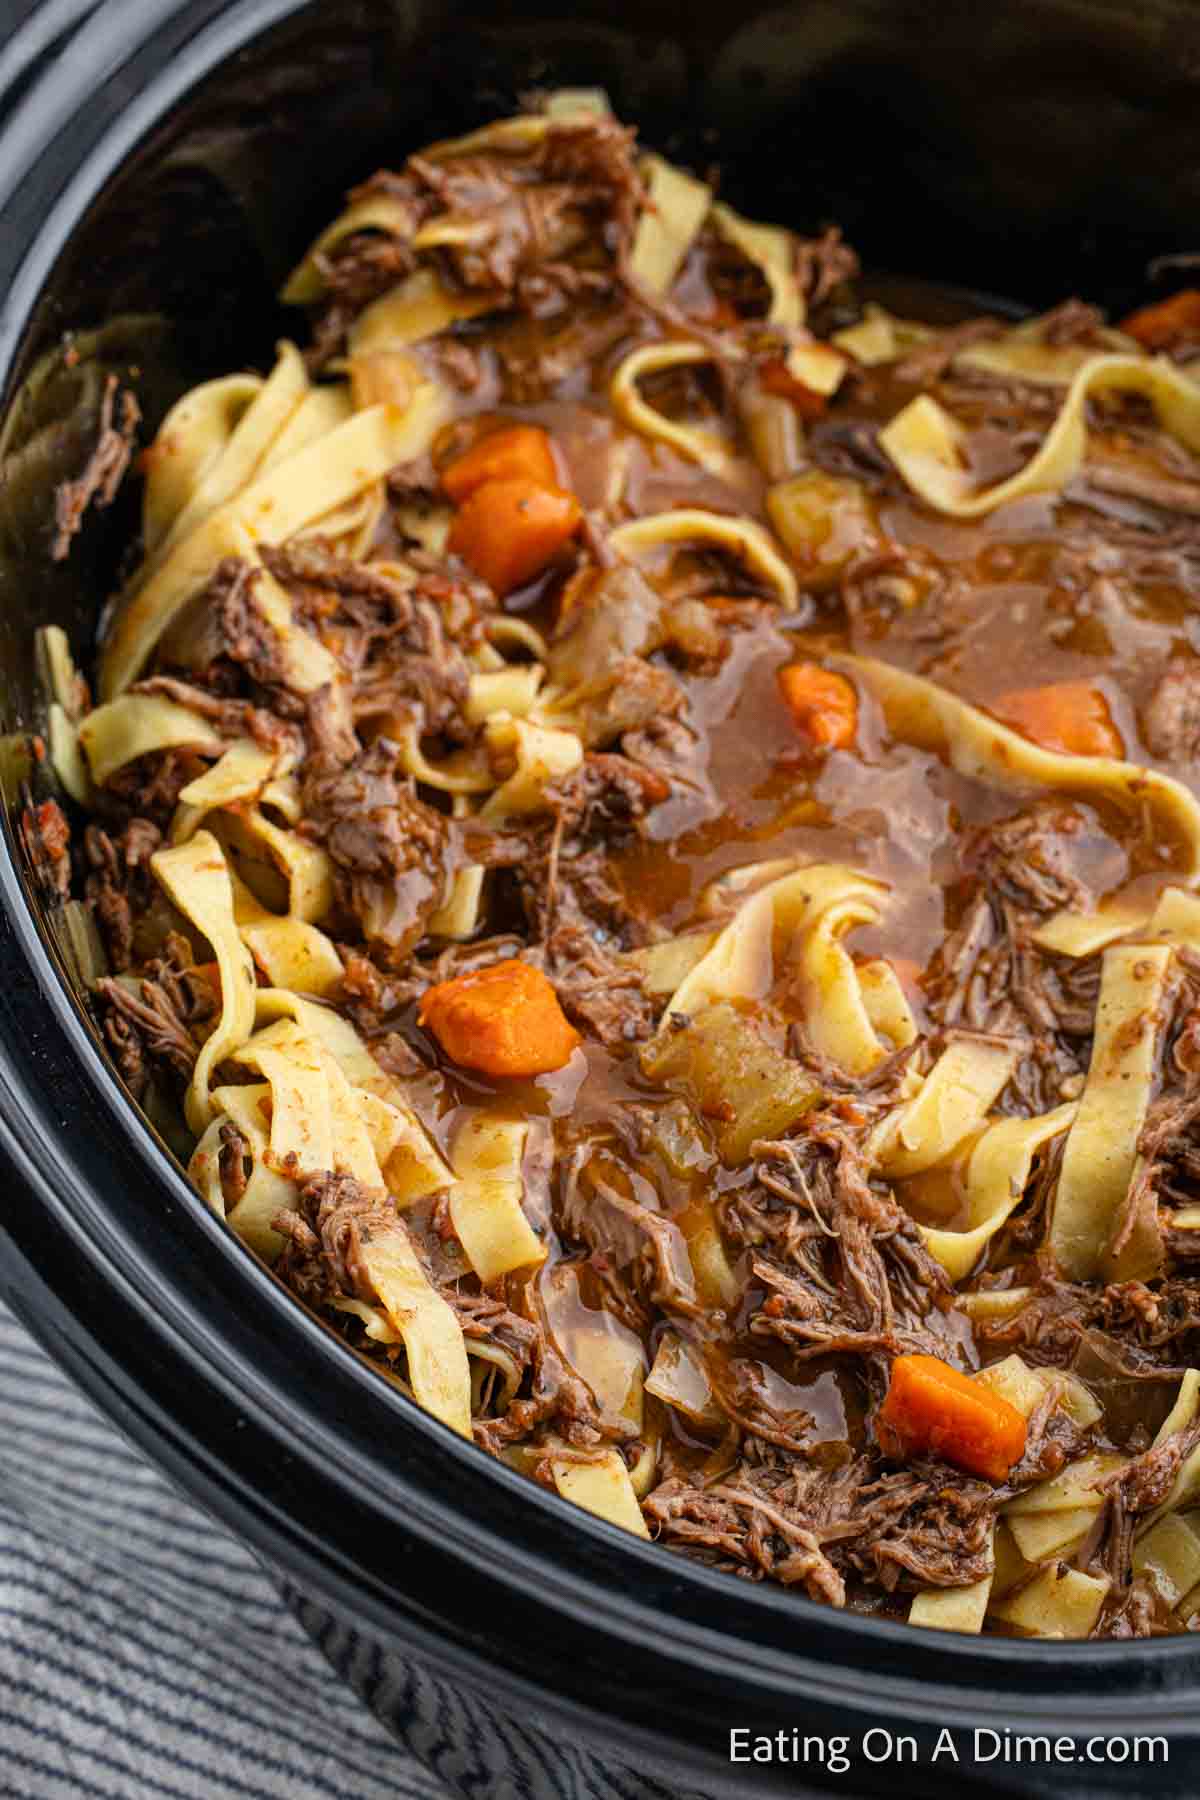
[161,165]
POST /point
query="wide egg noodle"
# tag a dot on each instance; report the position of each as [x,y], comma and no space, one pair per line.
[1174,919]
[698,444]
[136,725]
[948,1107]
[601,1486]
[216,480]
[994,1182]
[541,754]
[742,538]
[485,1200]
[880,337]
[266,1193]
[676,208]
[771,924]
[277,504]
[193,438]
[195,878]
[921,713]
[418,308]
[1100,1157]
[928,446]
[438,1367]
[290,952]
[240,773]
[1023,354]
[1059,1602]
[412,1167]
[301,1138]
[886,1004]
[1185,1488]
[837,1021]
[772,250]
[373,212]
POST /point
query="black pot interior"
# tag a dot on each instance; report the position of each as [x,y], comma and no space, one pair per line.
[1032,151]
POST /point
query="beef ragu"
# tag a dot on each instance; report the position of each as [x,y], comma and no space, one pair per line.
[641,818]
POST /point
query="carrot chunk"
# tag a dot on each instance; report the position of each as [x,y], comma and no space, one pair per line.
[776,378]
[504,1020]
[933,1408]
[515,452]
[1168,323]
[1068,716]
[508,530]
[823,705]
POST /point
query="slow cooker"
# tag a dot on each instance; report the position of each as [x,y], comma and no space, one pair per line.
[161,165]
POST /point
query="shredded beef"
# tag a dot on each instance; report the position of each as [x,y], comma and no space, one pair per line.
[854,1275]
[154,1020]
[626,1235]
[104,470]
[324,1234]
[538,218]
[801,1522]
[389,849]
[119,884]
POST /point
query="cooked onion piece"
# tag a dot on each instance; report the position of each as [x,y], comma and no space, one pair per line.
[678,1378]
[1101,1152]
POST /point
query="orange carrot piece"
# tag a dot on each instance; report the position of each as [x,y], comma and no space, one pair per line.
[504,1020]
[1169,322]
[514,452]
[1067,716]
[933,1408]
[775,377]
[823,705]
[509,530]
